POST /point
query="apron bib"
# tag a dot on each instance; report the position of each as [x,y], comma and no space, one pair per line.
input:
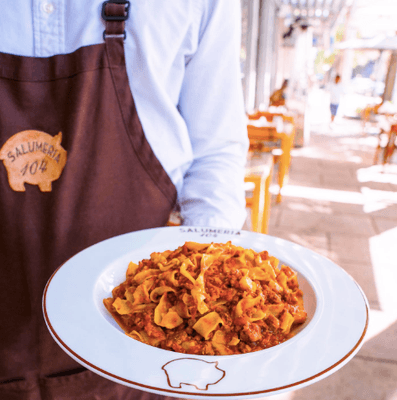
[75,169]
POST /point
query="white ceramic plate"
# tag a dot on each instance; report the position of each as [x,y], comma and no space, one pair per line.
[74,313]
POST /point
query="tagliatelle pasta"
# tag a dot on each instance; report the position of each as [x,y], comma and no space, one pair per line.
[209,299]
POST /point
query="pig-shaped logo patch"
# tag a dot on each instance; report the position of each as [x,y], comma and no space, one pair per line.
[194,372]
[33,157]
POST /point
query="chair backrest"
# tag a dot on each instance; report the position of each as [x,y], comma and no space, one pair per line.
[288,120]
[268,115]
[259,114]
[266,136]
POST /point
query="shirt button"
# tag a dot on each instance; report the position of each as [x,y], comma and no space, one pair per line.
[47,7]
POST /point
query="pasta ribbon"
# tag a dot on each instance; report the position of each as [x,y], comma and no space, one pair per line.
[282,280]
[141,294]
[182,310]
[123,307]
[286,321]
[173,263]
[144,338]
[185,272]
[246,282]
[165,315]
[222,349]
[132,268]
[141,276]
[267,266]
[171,319]
[196,246]
[170,276]
[258,315]
[245,304]
[156,293]
[223,338]
[136,335]
[198,292]
[206,324]
[259,274]
[275,309]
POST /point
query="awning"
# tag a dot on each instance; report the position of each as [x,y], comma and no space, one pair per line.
[377,43]
[314,12]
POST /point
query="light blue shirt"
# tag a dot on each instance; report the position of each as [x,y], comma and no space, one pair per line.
[183,67]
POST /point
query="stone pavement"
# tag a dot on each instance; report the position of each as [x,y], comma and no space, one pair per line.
[339,204]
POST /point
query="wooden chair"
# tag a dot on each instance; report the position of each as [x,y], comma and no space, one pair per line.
[258,177]
[270,116]
[368,116]
[267,139]
[387,143]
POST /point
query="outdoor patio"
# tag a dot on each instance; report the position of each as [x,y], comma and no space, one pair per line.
[340,205]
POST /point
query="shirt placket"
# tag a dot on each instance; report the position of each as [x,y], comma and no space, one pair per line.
[49,27]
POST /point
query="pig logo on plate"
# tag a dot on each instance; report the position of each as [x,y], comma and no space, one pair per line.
[194,372]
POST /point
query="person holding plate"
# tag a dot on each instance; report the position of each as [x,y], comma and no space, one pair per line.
[112,115]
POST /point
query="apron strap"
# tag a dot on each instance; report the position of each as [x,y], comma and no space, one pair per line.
[115,13]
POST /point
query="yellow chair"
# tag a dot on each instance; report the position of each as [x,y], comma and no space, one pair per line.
[259,172]
[267,139]
[387,144]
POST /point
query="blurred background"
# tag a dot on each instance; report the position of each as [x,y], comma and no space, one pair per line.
[308,42]
[339,194]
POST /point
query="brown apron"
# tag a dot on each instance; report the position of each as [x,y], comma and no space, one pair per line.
[76,169]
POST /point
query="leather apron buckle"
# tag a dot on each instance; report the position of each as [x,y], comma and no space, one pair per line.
[115,13]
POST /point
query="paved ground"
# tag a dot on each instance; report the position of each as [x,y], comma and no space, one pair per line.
[340,205]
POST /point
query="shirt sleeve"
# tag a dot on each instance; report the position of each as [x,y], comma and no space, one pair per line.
[211,102]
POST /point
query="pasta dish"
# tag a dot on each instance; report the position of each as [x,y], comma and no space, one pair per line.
[209,299]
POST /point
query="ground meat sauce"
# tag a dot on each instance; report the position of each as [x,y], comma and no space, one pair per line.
[209,299]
